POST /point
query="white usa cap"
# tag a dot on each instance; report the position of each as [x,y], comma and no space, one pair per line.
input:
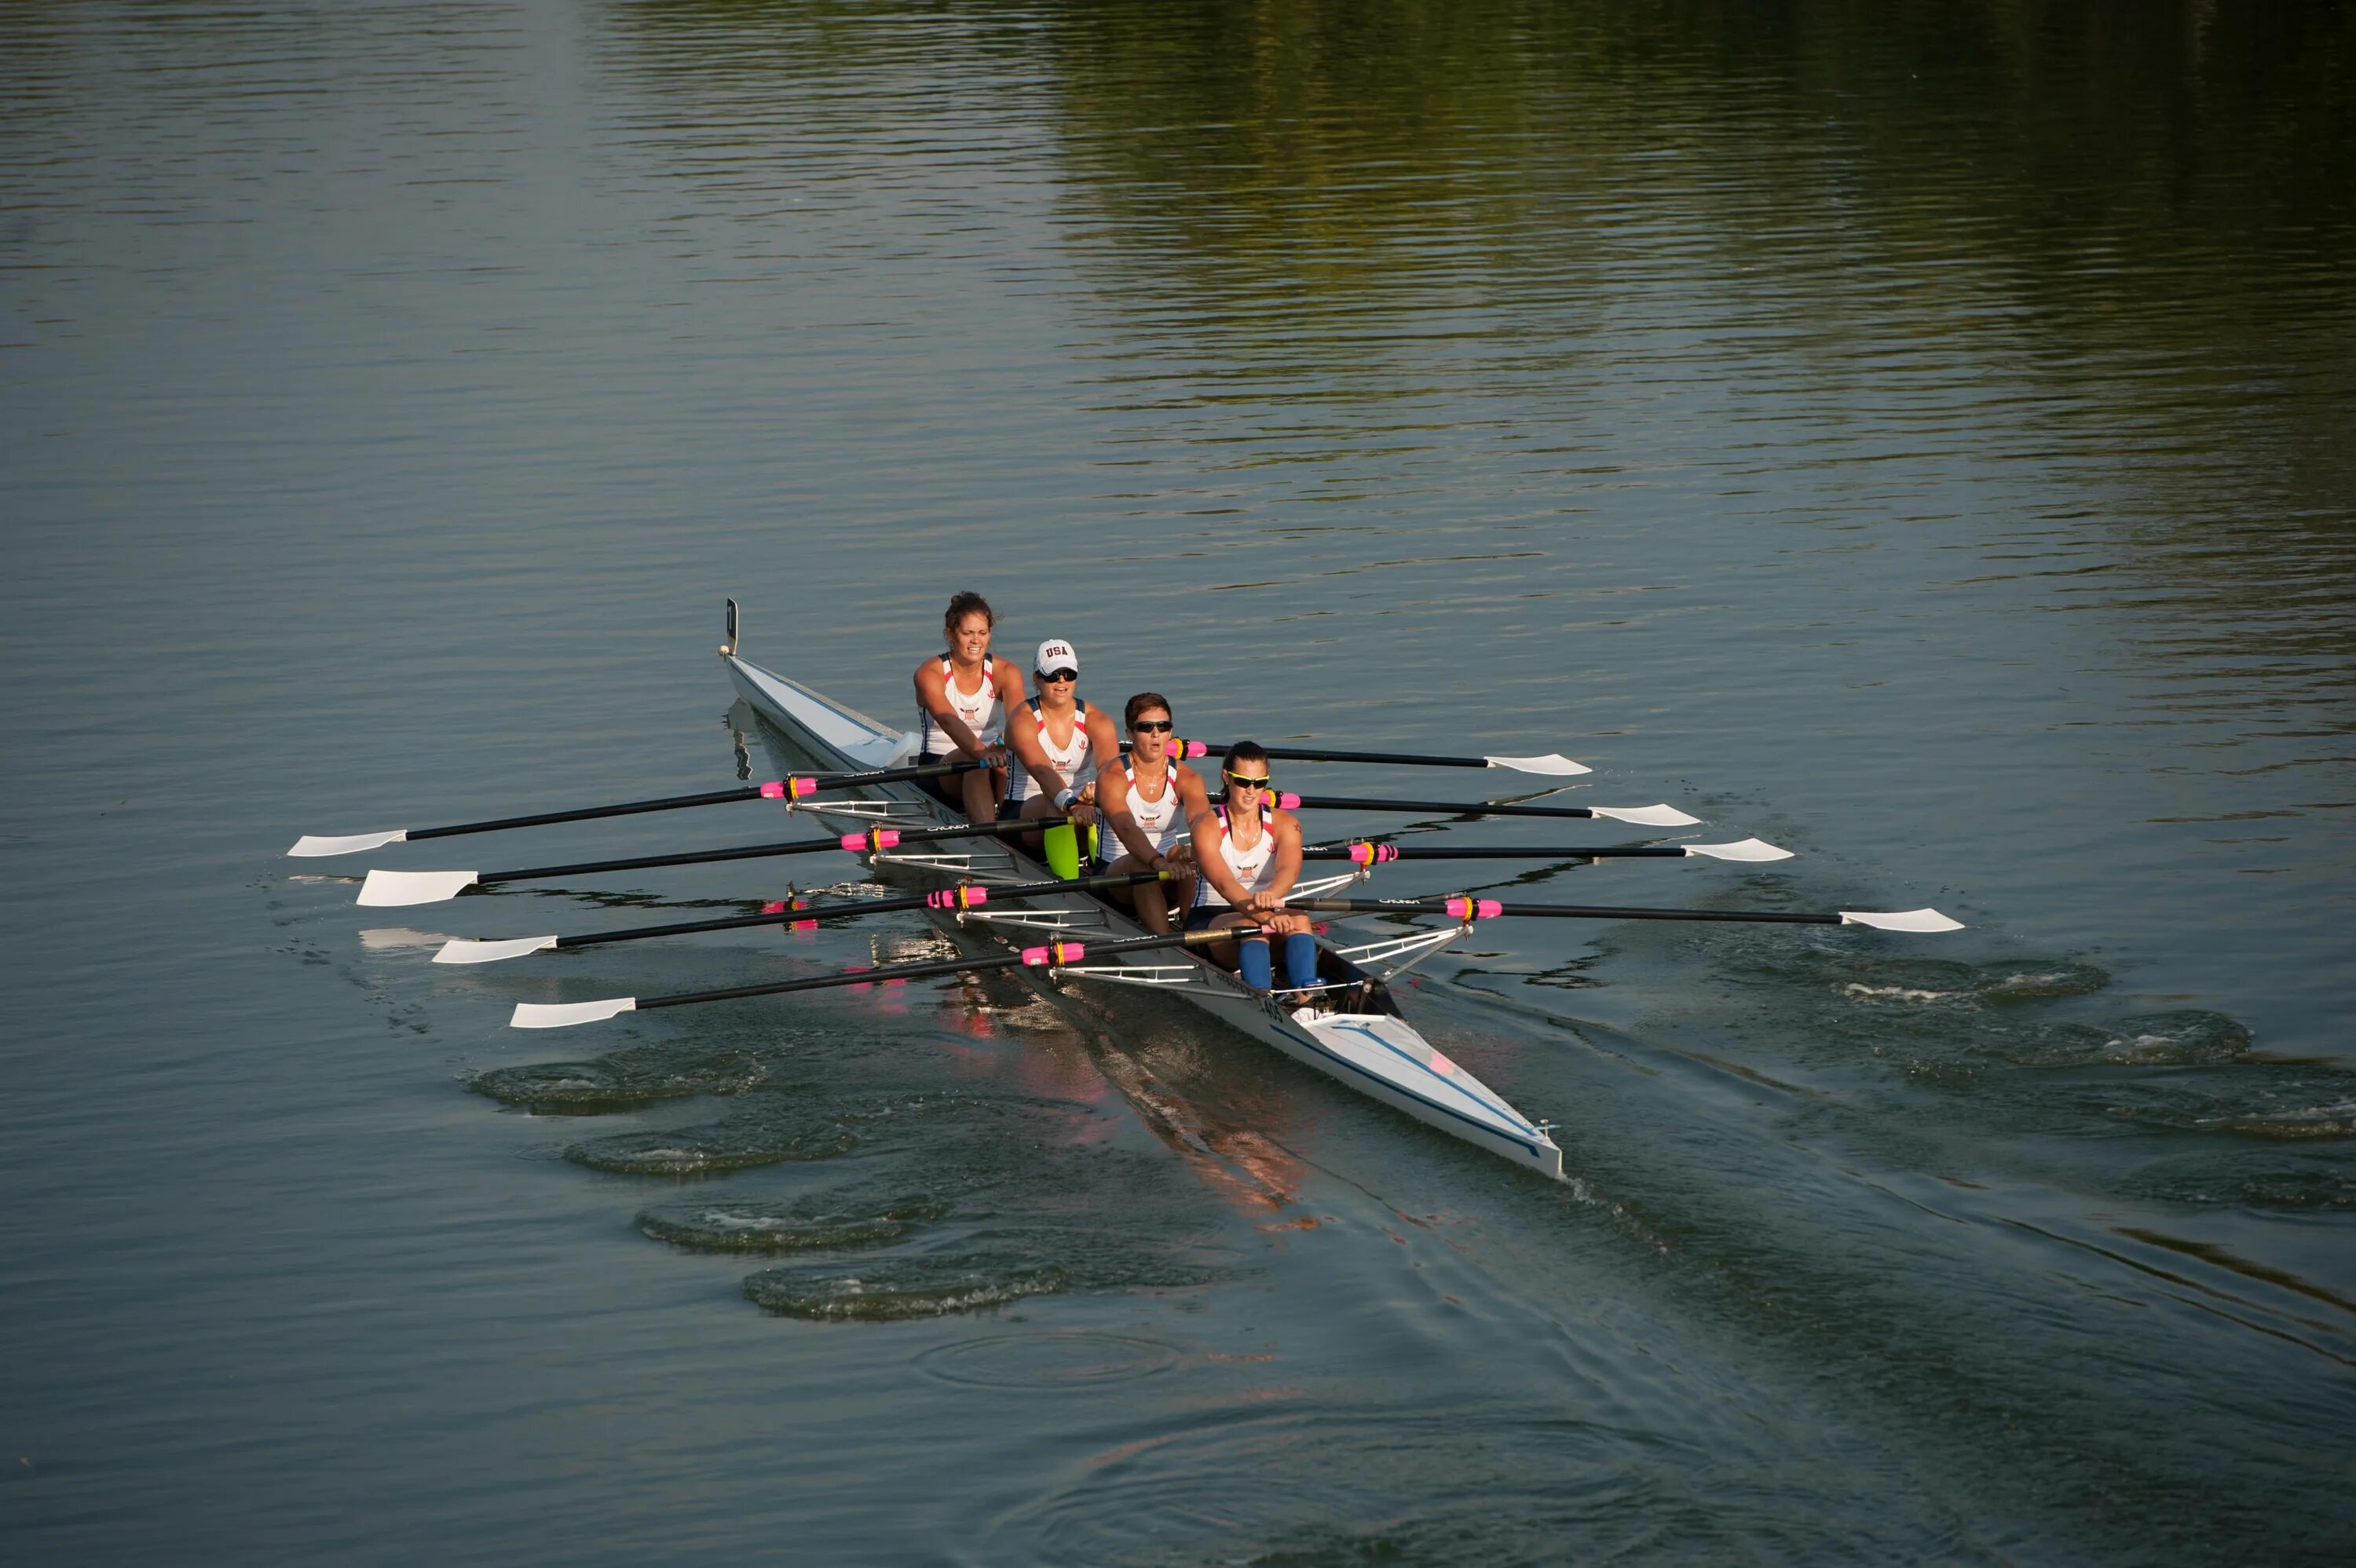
[1056,654]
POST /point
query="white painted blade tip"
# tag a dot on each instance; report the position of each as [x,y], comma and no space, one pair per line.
[1553,763]
[462,951]
[561,1015]
[385,889]
[1747,850]
[1648,816]
[1901,919]
[312,845]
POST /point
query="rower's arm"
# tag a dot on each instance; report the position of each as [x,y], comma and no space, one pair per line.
[1104,741]
[1112,799]
[1022,735]
[1286,828]
[932,696]
[1208,862]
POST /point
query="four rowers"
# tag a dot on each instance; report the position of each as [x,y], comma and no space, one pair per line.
[1230,862]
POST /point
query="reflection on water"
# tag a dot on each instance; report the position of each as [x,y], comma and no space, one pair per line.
[1914,433]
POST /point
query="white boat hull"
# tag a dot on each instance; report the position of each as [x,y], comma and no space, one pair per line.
[1376,1052]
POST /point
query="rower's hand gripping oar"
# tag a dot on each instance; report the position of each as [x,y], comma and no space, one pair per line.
[1552,765]
[312,845]
[970,895]
[1366,853]
[1641,815]
[386,888]
[1468,909]
[1054,955]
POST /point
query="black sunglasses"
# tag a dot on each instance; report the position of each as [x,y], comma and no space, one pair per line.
[1151,726]
[1060,675]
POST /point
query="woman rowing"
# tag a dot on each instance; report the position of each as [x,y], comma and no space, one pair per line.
[1052,737]
[1142,800]
[962,700]
[1248,855]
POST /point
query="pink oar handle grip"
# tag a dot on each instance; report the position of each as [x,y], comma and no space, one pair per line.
[875,838]
[784,789]
[1474,909]
[1056,953]
[957,898]
[1194,749]
[1372,854]
[1287,801]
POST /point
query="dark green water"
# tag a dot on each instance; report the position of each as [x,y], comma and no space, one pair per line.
[1917,435]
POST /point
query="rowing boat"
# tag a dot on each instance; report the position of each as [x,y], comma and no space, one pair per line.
[1350,1028]
[1346,1024]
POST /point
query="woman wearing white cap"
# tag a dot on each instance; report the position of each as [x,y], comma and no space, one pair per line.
[1053,737]
[962,700]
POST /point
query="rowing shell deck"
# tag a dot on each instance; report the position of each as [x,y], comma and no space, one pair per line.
[1355,1035]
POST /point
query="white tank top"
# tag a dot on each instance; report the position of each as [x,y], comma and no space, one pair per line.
[1070,760]
[1158,818]
[980,709]
[1255,868]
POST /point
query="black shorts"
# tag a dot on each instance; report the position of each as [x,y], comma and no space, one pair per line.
[1200,916]
[946,788]
[1008,810]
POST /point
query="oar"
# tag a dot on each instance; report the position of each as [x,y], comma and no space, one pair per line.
[1553,764]
[1642,815]
[964,896]
[1460,908]
[558,1015]
[791,788]
[386,888]
[1370,854]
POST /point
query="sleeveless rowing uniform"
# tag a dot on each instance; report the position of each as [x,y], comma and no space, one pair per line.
[1159,818]
[1069,760]
[1255,868]
[981,712]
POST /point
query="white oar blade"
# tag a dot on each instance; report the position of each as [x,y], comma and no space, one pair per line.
[564,1015]
[318,844]
[1647,815]
[464,951]
[1752,850]
[385,889]
[1553,764]
[1902,920]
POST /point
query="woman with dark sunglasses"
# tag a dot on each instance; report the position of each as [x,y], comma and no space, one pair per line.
[1248,853]
[1052,737]
[1143,801]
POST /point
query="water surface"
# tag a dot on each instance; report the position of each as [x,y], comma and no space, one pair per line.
[1915,436]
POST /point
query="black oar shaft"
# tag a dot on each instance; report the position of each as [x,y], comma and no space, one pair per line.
[589,813]
[922,971]
[741,922]
[642,862]
[1491,908]
[1396,759]
[1563,852]
[891,775]
[1445,807]
[682,802]
[755,851]
[845,907]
